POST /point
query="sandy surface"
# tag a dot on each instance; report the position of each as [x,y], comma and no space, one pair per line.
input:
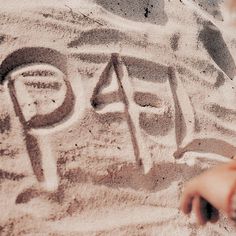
[107,108]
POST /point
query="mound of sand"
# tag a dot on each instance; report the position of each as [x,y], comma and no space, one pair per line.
[107,109]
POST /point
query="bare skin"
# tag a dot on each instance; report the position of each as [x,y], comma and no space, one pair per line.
[210,192]
[231,4]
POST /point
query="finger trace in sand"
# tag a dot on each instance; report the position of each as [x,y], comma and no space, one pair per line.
[184,115]
[122,92]
[208,145]
[41,157]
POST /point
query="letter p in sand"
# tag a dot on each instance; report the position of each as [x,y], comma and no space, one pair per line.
[43,100]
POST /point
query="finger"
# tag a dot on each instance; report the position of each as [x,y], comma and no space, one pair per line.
[186,203]
[187,197]
[232,164]
[199,207]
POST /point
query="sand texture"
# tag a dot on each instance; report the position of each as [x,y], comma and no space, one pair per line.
[107,109]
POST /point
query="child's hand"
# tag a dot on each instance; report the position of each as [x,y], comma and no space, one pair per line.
[210,192]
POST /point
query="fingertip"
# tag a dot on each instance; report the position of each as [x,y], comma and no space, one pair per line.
[186,204]
[187,197]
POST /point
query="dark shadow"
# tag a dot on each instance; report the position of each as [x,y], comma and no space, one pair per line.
[30,193]
[2,38]
[221,112]
[10,175]
[5,124]
[146,70]
[105,79]
[103,36]
[31,55]
[35,156]
[157,124]
[99,36]
[158,178]
[9,153]
[215,45]
[147,100]
[220,80]
[92,58]
[109,117]
[180,123]
[153,123]
[208,145]
[27,195]
[174,41]
[139,10]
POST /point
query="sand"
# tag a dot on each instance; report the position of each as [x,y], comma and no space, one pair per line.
[107,109]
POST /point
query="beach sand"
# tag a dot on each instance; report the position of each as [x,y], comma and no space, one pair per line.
[107,109]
